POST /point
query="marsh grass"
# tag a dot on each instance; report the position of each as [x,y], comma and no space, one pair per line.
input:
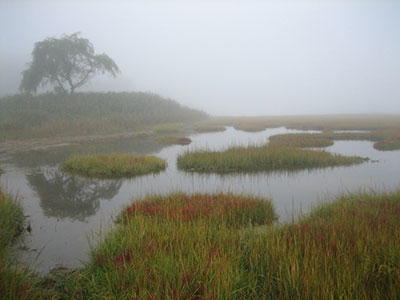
[346,249]
[261,158]
[113,165]
[174,140]
[224,246]
[16,281]
[206,247]
[388,139]
[174,247]
[302,140]
[383,130]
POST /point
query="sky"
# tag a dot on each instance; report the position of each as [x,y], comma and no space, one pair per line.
[226,57]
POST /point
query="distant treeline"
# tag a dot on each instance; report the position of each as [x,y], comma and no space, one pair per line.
[86,113]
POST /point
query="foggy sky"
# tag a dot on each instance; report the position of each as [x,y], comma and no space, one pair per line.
[227,58]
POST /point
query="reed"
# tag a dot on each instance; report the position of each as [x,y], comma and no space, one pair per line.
[113,165]
[224,246]
[347,249]
[261,158]
[16,281]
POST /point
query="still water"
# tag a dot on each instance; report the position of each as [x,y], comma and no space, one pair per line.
[65,211]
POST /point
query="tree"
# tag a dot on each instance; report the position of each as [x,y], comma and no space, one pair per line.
[66,63]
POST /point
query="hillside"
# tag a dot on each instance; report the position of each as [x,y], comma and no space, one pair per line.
[49,115]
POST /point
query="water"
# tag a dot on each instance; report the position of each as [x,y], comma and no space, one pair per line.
[65,210]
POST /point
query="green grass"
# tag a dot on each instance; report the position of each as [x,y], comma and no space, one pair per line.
[17,281]
[174,140]
[225,246]
[14,281]
[347,249]
[11,218]
[174,247]
[261,158]
[53,115]
[206,247]
[113,165]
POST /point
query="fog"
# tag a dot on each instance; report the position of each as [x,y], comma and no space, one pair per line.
[227,58]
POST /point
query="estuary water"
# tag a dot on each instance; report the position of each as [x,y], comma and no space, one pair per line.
[66,212]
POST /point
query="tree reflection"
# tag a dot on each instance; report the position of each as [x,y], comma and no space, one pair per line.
[62,195]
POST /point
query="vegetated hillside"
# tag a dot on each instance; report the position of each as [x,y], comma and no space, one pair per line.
[87,113]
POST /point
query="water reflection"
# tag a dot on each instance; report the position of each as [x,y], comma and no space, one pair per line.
[55,155]
[65,196]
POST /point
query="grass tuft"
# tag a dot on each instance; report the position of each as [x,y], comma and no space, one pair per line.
[261,158]
[113,165]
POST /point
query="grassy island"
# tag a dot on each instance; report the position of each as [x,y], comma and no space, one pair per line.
[261,158]
[113,165]
[175,247]
[174,140]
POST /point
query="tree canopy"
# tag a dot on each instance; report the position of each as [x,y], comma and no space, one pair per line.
[66,63]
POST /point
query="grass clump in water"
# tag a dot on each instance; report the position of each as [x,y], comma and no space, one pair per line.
[113,165]
[347,249]
[300,140]
[261,158]
[174,140]
[174,247]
